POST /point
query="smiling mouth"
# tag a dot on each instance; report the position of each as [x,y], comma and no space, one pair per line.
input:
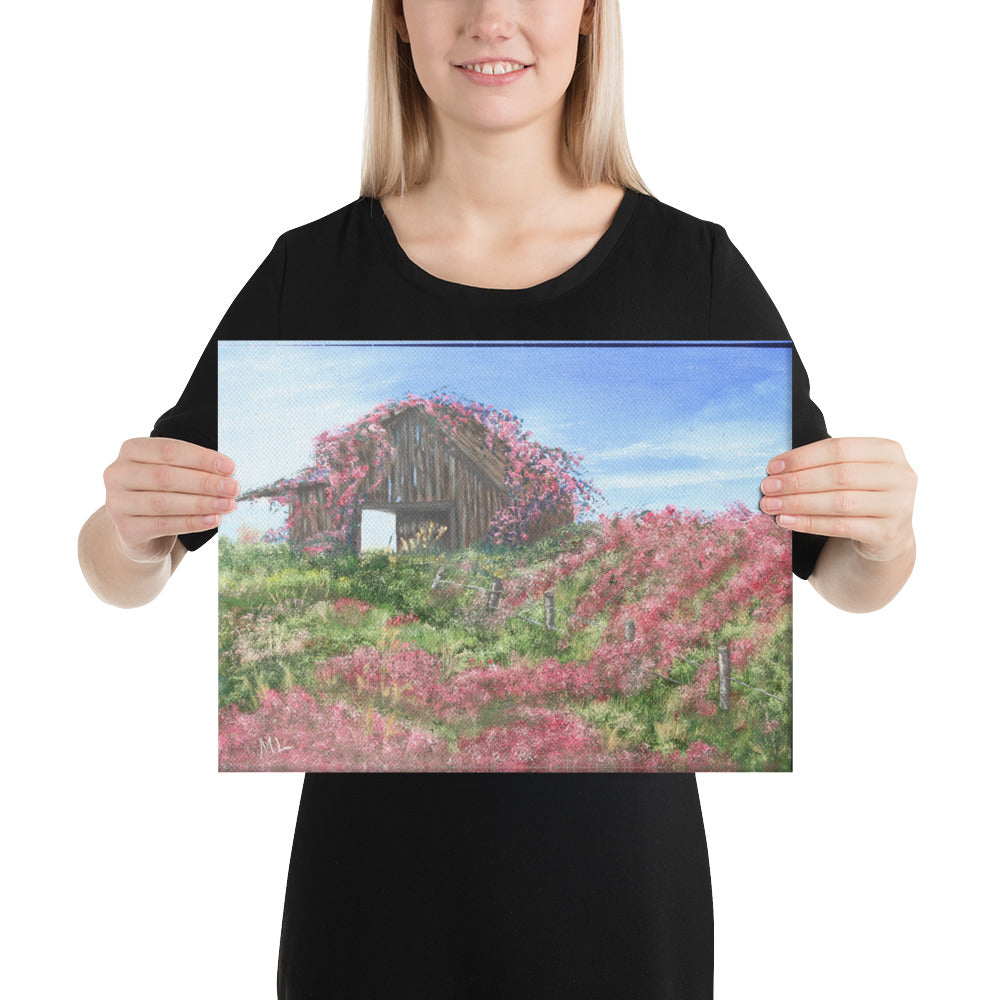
[493,68]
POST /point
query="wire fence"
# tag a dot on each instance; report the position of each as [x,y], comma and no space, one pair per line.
[494,594]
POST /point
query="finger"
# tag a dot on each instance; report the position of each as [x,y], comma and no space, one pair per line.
[866,530]
[833,451]
[137,531]
[846,476]
[147,477]
[183,454]
[154,503]
[838,503]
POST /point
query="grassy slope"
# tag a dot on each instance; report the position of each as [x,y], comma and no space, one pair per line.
[279,620]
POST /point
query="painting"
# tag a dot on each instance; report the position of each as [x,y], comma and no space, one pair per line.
[504,556]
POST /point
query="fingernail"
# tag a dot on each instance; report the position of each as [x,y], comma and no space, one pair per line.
[210,519]
[786,519]
[775,466]
[771,503]
[224,466]
[771,485]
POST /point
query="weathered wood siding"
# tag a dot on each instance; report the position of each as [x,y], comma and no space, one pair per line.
[432,467]
[314,516]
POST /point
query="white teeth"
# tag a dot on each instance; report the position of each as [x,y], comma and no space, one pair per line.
[495,69]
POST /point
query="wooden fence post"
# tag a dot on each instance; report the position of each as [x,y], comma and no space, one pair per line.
[493,600]
[550,612]
[724,677]
[629,630]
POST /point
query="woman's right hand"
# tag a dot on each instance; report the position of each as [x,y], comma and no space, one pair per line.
[159,488]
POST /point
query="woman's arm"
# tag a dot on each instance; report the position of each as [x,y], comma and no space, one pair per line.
[854,583]
[115,577]
[859,492]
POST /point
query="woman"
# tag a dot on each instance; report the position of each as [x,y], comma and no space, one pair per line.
[495,202]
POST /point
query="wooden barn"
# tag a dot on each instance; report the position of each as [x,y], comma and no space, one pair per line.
[435,477]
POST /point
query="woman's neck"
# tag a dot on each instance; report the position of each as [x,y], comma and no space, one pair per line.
[472,246]
[491,185]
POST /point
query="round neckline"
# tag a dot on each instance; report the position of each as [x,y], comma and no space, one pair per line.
[571,278]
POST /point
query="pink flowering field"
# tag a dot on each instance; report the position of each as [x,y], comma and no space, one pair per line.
[346,663]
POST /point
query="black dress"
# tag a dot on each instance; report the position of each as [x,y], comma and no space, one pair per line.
[466,885]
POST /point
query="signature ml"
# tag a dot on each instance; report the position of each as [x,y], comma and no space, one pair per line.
[271,746]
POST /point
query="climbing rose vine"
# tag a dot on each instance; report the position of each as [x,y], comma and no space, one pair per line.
[541,481]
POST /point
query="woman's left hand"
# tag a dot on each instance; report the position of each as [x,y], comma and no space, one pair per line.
[852,487]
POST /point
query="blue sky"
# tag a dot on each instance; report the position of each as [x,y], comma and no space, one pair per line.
[687,424]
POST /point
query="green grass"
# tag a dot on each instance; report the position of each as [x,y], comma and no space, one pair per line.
[276,626]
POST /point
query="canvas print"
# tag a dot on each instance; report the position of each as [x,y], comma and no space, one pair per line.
[500,556]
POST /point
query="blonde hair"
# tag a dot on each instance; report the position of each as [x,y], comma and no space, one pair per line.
[396,150]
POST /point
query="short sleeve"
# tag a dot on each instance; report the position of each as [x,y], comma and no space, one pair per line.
[741,309]
[255,314]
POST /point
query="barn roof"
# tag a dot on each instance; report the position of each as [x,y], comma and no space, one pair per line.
[280,486]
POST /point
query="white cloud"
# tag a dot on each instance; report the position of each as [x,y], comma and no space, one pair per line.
[734,438]
[670,479]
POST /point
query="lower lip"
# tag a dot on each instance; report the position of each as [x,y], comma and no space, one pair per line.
[485,80]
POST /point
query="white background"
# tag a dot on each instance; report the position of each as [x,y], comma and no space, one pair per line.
[155,152]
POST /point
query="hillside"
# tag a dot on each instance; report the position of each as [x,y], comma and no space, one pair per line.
[398,662]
